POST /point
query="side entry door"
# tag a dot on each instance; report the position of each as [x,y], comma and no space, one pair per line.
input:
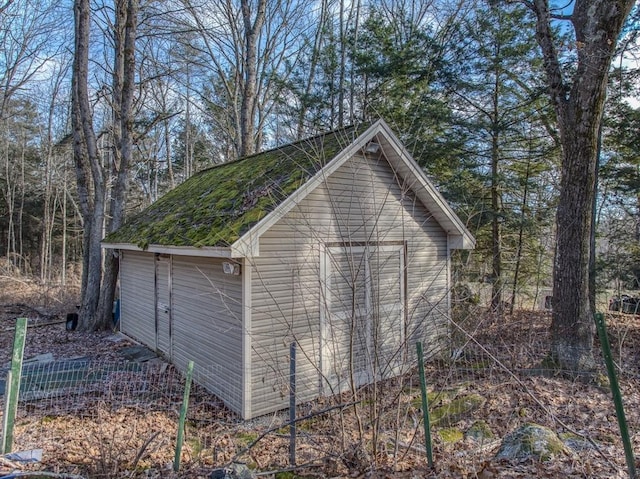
[163,305]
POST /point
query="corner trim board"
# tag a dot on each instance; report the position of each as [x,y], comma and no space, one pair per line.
[246,339]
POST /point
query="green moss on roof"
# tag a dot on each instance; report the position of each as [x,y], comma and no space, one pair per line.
[217,206]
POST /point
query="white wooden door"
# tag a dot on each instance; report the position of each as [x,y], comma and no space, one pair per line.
[362,322]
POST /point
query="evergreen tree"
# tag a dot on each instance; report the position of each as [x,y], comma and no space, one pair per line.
[619,186]
[500,102]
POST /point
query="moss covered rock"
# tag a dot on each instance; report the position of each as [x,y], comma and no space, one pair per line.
[434,398]
[451,435]
[531,441]
[455,410]
[480,432]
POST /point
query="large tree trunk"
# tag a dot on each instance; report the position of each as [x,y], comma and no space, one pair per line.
[123,90]
[579,105]
[252,29]
[572,327]
[98,290]
[87,164]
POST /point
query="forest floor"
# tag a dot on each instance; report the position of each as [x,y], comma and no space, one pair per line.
[381,438]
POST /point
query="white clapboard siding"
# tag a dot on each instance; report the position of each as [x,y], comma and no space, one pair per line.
[284,299]
[207,325]
[364,202]
[137,297]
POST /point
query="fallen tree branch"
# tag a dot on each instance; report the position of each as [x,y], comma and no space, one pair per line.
[8,464]
[37,325]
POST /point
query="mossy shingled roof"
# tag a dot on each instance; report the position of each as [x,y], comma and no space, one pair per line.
[217,206]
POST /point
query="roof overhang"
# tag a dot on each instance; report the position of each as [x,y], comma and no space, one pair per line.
[208,252]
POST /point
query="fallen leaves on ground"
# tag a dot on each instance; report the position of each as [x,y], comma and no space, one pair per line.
[373,439]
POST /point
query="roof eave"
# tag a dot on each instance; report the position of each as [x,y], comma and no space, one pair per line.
[205,251]
[461,242]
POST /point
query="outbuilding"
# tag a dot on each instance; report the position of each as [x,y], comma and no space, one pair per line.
[339,243]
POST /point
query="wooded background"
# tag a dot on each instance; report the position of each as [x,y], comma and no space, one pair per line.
[164,88]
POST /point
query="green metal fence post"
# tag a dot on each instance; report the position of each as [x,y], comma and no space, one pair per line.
[183,416]
[617,396]
[425,405]
[7,418]
[12,389]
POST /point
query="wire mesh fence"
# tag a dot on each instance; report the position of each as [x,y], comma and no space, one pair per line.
[75,385]
[113,418]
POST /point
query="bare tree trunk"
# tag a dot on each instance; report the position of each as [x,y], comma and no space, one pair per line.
[123,90]
[87,166]
[47,216]
[252,29]
[579,106]
[21,257]
[573,327]
[167,149]
[342,44]
[315,58]
[188,148]
[516,272]
[63,261]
